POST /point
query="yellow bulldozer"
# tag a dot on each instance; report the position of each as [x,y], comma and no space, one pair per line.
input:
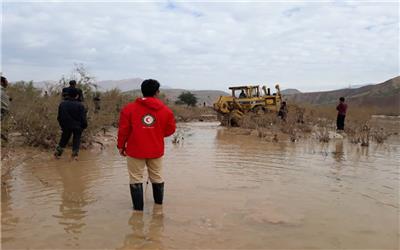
[247,99]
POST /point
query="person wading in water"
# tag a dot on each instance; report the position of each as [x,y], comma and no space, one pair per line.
[342,109]
[72,120]
[143,124]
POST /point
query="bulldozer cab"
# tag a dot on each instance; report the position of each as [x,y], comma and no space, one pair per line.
[245,91]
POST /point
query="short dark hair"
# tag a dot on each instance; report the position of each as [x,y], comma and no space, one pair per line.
[150,87]
[72,83]
[341,99]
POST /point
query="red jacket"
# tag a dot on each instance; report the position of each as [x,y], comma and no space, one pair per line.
[341,108]
[143,124]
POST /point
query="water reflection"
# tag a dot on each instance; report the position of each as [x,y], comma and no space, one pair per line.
[338,154]
[74,199]
[247,158]
[146,230]
[364,151]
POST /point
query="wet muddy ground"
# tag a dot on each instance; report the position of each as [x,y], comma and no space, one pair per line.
[222,191]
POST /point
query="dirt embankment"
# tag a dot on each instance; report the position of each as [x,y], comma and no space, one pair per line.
[287,133]
[14,156]
[301,125]
[190,114]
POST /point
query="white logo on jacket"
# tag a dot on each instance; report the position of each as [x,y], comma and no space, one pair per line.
[148,120]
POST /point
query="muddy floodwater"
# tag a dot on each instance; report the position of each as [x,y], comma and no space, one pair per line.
[222,191]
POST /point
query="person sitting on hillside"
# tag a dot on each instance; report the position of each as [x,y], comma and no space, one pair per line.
[72,120]
[242,94]
[72,85]
[342,109]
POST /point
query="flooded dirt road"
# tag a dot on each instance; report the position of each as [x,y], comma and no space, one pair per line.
[222,191]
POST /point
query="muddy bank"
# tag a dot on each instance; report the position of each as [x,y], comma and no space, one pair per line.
[389,123]
[15,152]
[268,128]
[223,190]
[14,156]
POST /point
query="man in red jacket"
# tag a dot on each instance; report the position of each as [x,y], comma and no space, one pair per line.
[143,124]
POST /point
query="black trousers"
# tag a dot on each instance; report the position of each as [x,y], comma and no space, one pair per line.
[76,139]
[340,121]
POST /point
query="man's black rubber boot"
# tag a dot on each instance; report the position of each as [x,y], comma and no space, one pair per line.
[158,192]
[58,152]
[137,196]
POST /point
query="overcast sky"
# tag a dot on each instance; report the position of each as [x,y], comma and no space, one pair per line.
[304,45]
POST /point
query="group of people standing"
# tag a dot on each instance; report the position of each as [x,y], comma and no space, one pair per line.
[341,116]
[143,125]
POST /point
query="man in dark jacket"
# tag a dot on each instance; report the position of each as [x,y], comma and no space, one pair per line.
[72,86]
[342,109]
[143,125]
[72,120]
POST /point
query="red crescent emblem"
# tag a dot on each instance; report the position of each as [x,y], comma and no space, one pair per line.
[148,120]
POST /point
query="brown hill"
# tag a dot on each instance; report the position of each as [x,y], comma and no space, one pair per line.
[207,96]
[385,95]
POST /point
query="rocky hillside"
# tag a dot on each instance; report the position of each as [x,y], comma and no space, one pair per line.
[383,95]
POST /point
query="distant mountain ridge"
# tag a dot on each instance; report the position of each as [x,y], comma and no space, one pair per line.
[383,95]
[123,85]
[132,86]
[386,94]
[203,96]
[104,85]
